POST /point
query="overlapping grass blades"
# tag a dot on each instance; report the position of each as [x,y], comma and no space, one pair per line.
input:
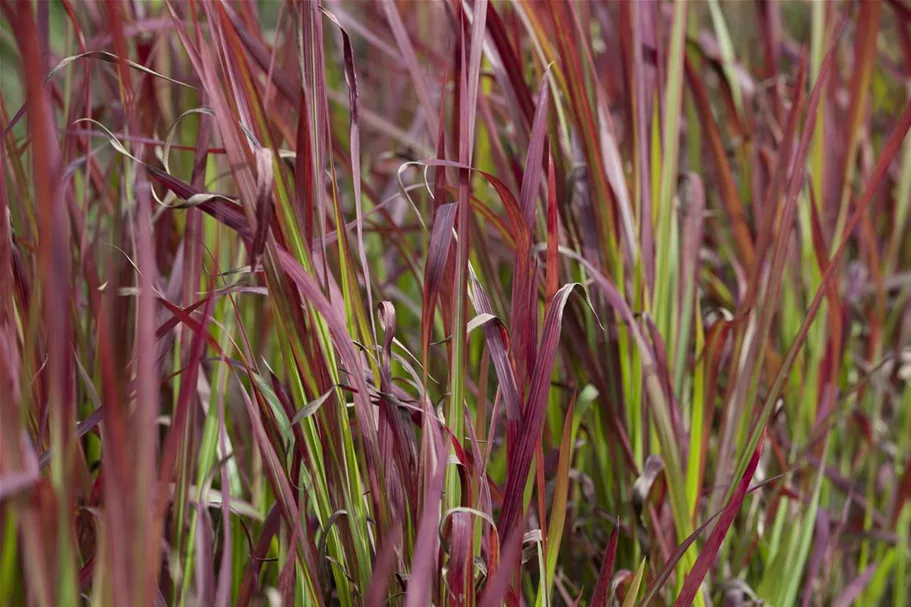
[461,303]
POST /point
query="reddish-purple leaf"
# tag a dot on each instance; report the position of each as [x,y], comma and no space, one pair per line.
[602,586]
[355,152]
[704,561]
[185,400]
[855,587]
[553,243]
[427,543]
[820,547]
[411,62]
[533,420]
[743,239]
[264,203]
[531,178]
[524,282]
[251,573]
[434,269]
[512,65]
[460,558]
[482,304]
[498,584]
[396,446]
[382,570]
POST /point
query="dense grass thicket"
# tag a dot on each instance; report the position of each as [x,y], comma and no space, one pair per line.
[455,302]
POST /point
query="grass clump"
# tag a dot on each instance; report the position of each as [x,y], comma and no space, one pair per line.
[454,303]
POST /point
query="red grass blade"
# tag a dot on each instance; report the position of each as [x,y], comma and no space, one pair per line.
[534,412]
[411,62]
[531,178]
[355,152]
[602,586]
[498,585]
[185,400]
[553,242]
[731,197]
[704,561]
[382,570]
[460,578]
[420,582]
[856,587]
[438,254]
[53,270]
[264,204]
[524,283]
